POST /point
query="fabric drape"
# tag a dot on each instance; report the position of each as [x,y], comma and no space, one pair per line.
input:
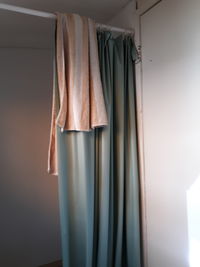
[98,172]
[81,101]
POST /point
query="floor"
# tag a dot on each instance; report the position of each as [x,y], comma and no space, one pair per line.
[53,264]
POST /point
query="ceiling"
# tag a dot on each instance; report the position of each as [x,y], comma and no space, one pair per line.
[19,30]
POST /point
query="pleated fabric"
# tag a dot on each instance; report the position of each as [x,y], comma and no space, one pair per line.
[98,172]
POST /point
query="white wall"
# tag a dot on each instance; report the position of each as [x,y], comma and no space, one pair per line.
[171,105]
[124,18]
[29,223]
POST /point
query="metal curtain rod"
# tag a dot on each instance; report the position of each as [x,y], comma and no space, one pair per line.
[53,16]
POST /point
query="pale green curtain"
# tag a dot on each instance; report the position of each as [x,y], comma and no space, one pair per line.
[98,172]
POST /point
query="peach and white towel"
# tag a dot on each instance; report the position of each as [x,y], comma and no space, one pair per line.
[81,100]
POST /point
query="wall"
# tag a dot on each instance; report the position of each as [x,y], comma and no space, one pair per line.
[124,18]
[29,224]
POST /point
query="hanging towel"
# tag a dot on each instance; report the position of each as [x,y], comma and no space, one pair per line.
[81,100]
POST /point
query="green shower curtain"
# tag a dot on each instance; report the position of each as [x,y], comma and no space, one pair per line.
[98,172]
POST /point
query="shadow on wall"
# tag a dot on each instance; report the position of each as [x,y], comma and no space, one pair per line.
[193,208]
[29,225]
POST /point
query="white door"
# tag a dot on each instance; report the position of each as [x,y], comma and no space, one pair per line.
[170,36]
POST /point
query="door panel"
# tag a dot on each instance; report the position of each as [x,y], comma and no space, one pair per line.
[170,38]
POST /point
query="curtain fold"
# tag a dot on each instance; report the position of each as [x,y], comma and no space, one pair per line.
[98,171]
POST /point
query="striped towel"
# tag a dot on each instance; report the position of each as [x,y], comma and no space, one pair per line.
[81,100]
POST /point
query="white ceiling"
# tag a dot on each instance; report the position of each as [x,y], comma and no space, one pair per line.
[19,30]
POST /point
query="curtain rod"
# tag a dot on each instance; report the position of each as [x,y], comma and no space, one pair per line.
[53,16]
